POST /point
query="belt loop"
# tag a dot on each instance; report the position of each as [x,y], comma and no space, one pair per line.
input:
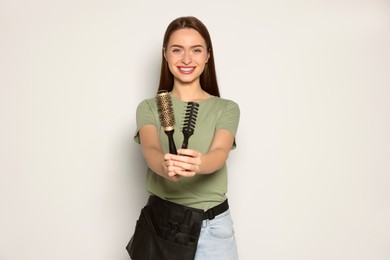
[205,223]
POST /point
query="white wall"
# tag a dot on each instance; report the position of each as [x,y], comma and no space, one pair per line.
[309,179]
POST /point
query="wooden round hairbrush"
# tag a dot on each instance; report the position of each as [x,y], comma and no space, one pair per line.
[167,117]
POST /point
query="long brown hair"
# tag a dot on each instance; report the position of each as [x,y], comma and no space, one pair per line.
[208,79]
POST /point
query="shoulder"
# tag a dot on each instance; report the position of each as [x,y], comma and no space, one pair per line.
[226,104]
[147,107]
[148,102]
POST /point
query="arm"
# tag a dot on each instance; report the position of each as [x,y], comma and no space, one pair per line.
[153,153]
[197,163]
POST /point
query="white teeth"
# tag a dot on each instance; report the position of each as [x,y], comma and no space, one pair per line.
[186,69]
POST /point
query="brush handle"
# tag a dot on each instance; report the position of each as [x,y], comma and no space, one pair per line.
[171,142]
[185,143]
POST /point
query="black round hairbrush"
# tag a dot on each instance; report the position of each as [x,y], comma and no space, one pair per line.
[189,122]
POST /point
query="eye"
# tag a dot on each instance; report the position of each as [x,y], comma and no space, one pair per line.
[197,50]
[176,50]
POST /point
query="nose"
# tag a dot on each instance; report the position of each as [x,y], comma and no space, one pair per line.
[186,58]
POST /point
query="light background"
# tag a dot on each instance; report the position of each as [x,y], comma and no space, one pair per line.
[309,179]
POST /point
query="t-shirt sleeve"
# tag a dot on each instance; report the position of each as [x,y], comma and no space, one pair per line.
[229,119]
[144,116]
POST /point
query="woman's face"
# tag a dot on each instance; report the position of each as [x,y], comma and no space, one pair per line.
[186,54]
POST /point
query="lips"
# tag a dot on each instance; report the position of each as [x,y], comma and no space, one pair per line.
[186,70]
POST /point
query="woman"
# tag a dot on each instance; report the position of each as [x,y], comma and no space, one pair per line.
[187,213]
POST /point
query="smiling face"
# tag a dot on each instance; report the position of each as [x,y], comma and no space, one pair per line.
[186,54]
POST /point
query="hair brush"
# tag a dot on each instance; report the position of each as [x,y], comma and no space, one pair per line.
[167,118]
[189,122]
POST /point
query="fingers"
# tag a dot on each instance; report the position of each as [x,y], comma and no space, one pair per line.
[191,161]
[170,170]
[174,168]
[189,152]
[187,164]
[185,169]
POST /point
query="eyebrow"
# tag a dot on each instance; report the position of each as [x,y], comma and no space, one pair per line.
[194,46]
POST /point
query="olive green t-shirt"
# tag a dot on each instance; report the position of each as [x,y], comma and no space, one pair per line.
[201,191]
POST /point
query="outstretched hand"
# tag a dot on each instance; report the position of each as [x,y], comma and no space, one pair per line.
[187,164]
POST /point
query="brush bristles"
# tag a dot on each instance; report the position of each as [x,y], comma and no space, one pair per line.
[190,117]
[164,105]
[189,122]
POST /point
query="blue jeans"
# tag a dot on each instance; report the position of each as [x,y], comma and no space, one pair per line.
[217,241]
